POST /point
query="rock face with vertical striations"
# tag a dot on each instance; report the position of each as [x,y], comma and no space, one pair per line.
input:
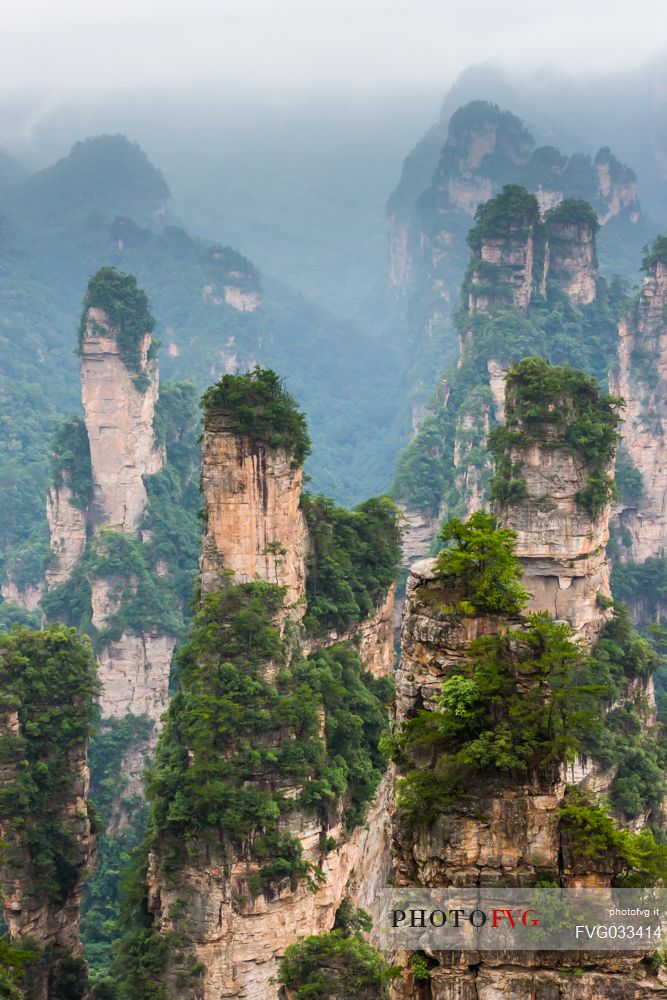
[500,828]
[234,925]
[48,842]
[68,531]
[119,420]
[522,266]
[254,526]
[641,380]
[572,260]
[99,497]
[555,494]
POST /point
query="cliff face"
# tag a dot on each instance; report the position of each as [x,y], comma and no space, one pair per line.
[232,280]
[546,485]
[119,402]
[240,939]
[48,843]
[560,545]
[509,834]
[508,297]
[641,379]
[484,148]
[119,421]
[254,526]
[27,911]
[233,933]
[572,261]
[507,830]
[68,531]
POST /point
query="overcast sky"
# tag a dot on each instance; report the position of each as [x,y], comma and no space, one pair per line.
[93,46]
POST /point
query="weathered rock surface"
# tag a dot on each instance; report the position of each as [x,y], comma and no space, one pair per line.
[238,938]
[27,597]
[505,832]
[507,270]
[68,531]
[641,380]
[560,545]
[134,674]
[119,421]
[254,526]
[255,530]
[133,669]
[29,912]
[571,260]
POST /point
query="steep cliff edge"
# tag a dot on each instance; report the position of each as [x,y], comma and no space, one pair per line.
[641,379]
[484,148]
[124,539]
[525,272]
[119,390]
[254,527]
[268,800]
[485,795]
[553,487]
[47,683]
[109,478]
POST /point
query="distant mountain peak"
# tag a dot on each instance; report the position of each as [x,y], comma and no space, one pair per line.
[107,172]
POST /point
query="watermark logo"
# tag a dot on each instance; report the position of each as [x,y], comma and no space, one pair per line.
[503,919]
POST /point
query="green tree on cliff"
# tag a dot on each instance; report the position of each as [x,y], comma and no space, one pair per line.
[480,563]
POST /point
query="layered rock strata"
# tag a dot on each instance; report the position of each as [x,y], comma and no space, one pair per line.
[31,913]
[509,833]
[254,527]
[255,531]
[119,405]
[641,380]
[508,270]
[68,532]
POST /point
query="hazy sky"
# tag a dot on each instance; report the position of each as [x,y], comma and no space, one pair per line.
[92,46]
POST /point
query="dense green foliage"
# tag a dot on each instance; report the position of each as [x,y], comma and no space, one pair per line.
[14,963]
[643,586]
[551,327]
[636,858]
[623,739]
[141,953]
[628,483]
[147,599]
[126,307]
[353,559]
[337,965]
[571,212]
[527,699]
[510,215]
[70,463]
[49,678]
[240,726]
[257,405]
[479,565]
[657,253]
[557,407]
[520,705]
[237,736]
[13,614]
[101,901]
